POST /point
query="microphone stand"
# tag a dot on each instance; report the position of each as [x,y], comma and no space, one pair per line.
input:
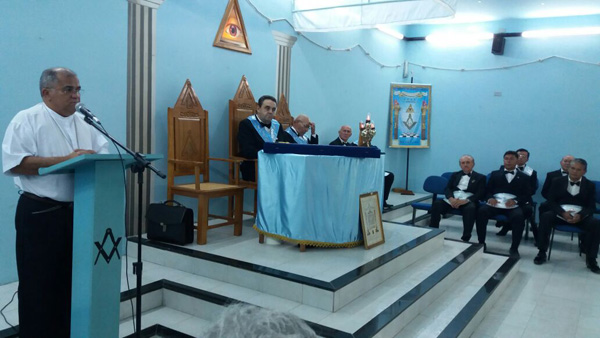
[138,168]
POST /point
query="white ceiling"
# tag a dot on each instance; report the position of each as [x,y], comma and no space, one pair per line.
[490,10]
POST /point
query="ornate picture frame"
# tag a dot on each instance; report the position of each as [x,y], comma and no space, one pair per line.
[232,31]
[370,219]
[410,115]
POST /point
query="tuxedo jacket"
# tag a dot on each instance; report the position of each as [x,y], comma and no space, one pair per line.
[476,185]
[519,186]
[250,143]
[548,182]
[311,140]
[338,142]
[533,180]
[559,195]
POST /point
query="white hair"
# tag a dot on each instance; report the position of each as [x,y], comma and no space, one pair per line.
[242,321]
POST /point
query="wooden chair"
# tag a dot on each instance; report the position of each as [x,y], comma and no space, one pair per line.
[242,106]
[188,155]
[283,115]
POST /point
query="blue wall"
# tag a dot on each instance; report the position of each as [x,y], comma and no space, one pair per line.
[87,36]
[549,107]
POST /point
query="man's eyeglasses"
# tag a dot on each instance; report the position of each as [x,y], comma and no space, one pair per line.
[70,90]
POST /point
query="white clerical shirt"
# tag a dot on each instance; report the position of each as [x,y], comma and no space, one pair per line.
[41,132]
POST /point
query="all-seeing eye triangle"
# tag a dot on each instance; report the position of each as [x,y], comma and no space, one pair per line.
[232,32]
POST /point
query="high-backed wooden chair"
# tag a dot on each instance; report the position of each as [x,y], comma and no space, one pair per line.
[283,115]
[240,107]
[188,156]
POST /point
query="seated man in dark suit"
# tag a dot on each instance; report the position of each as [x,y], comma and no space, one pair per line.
[577,190]
[299,128]
[507,181]
[257,129]
[565,163]
[344,134]
[533,186]
[464,180]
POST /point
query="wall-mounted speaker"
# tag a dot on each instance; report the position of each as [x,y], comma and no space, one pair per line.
[498,44]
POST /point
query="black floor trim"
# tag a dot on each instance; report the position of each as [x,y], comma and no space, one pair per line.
[408,299]
[369,329]
[468,312]
[10,332]
[161,331]
[334,285]
[406,204]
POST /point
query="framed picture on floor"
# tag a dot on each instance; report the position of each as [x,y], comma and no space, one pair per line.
[370,219]
[410,115]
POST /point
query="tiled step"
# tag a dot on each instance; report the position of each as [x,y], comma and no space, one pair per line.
[463,305]
[382,311]
[324,278]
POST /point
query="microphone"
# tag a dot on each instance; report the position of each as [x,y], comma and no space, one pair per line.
[80,107]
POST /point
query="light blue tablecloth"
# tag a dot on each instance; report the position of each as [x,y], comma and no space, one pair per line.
[313,198]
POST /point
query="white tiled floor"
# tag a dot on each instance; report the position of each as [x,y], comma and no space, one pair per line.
[558,299]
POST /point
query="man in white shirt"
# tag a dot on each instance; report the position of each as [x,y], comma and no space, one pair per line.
[41,136]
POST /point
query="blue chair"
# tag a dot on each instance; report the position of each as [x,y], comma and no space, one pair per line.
[434,185]
[447,175]
[567,228]
[573,229]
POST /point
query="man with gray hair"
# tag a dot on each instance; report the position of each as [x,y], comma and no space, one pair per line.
[572,200]
[41,136]
[464,191]
[241,321]
[299,128]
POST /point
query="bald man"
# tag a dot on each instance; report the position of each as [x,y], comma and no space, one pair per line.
[462,183]
[344,135]
[299,128]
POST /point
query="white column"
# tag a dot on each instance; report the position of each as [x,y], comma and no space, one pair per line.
[141,83]
[284,60]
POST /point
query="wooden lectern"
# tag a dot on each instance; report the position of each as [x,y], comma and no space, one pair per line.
[98,240]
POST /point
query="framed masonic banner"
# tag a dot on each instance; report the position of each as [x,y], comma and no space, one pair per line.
[410,115]
[370,219]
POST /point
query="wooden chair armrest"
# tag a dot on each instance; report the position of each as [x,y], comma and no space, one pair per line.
[196,163]
[241,159]
[230,160]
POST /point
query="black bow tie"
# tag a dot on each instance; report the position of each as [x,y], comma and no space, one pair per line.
[575,183]
[264,124]
[509,172]
[562,172]
[521,168]
[469,174]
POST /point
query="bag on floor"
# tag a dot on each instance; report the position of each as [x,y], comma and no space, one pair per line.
[170,223]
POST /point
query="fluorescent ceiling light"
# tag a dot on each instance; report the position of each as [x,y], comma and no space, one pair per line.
[458,39]
[390,32]
[544,33]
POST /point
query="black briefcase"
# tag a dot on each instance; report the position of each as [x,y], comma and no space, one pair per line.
[170,223]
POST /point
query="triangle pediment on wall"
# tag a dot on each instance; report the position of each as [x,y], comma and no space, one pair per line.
[232,31]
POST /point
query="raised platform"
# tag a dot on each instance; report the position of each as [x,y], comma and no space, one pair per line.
[416,284]
[339,292]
